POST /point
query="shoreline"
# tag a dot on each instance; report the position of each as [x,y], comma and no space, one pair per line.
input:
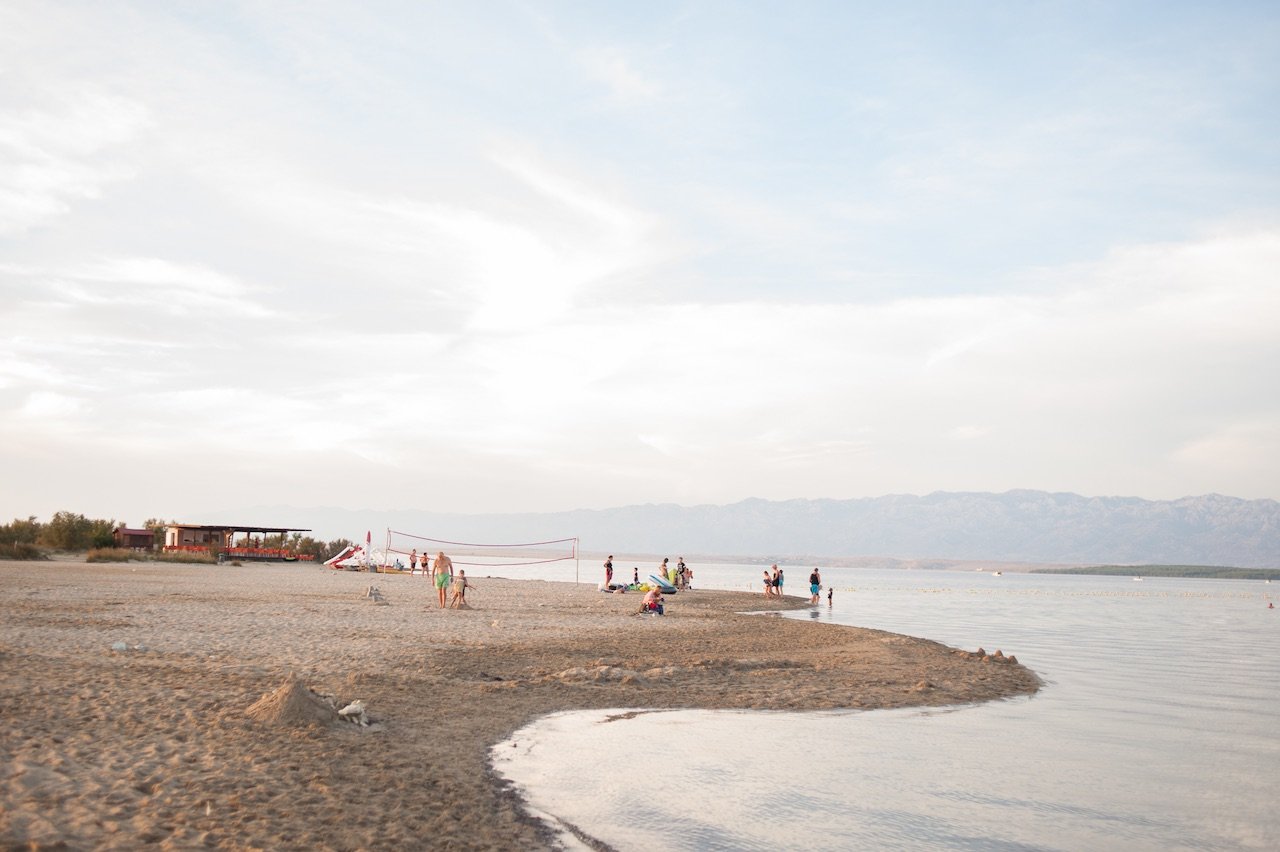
[107,748]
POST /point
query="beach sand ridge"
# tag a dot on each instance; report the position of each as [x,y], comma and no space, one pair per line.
[112,749]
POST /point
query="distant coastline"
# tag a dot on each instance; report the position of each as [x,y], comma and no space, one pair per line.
[1215,572]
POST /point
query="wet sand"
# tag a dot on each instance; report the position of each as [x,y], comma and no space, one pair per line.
[114,749]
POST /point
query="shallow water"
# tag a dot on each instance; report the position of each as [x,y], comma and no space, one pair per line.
[1157,728]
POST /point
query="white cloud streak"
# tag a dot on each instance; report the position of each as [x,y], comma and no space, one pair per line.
[660,273]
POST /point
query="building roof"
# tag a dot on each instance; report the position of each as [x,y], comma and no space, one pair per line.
[237,528]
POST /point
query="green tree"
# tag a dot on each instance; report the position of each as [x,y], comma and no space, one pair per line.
[158,527]
[309,546]
[73,531]
[21,532]
[102,533]
[66,531]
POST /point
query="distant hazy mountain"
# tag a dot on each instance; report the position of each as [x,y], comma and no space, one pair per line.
[1017,526]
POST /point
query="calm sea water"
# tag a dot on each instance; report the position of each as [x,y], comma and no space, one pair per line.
[1158,728]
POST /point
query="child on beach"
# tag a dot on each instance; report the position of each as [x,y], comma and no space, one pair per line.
[652,602]
[460,586]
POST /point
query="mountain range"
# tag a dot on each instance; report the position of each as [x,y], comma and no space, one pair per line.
[1015,526]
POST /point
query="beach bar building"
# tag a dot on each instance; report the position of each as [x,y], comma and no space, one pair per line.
[234,542]
[133,539]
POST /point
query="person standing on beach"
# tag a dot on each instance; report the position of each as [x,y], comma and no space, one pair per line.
[608,571]
[815,586]
[460,586]
[635,575]
[413,559]
[663,570]
[778,583]
[768,584]
[442,572]
[426,565]
[829,593]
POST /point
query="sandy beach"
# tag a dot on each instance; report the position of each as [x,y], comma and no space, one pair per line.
[104,748]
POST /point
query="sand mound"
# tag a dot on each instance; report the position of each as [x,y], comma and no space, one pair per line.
[595,674]
[293,703]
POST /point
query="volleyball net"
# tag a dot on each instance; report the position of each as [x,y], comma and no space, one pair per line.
[400,546]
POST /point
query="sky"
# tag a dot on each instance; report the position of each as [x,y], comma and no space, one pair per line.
[539,256]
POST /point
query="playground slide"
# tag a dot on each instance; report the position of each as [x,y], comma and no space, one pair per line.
[348,553]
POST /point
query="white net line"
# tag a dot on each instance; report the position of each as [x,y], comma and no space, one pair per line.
[496,554]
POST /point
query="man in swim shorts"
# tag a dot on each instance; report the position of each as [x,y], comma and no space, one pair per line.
[442,571]
[652,602]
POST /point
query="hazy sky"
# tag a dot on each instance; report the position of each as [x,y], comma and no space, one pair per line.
[527,256]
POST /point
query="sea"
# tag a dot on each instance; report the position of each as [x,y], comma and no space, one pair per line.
[1157,728]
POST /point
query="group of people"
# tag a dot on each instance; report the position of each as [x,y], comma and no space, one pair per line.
[681,576]
[440,571]
[773,581]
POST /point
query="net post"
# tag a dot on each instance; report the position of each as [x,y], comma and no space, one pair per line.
[575,560]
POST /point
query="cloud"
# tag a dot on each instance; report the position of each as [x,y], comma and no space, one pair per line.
[49,407]
[161,286]
[615,69]
[53,156]
[537,268]
[526,264]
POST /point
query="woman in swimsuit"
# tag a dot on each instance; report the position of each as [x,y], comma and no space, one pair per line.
[442,568]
